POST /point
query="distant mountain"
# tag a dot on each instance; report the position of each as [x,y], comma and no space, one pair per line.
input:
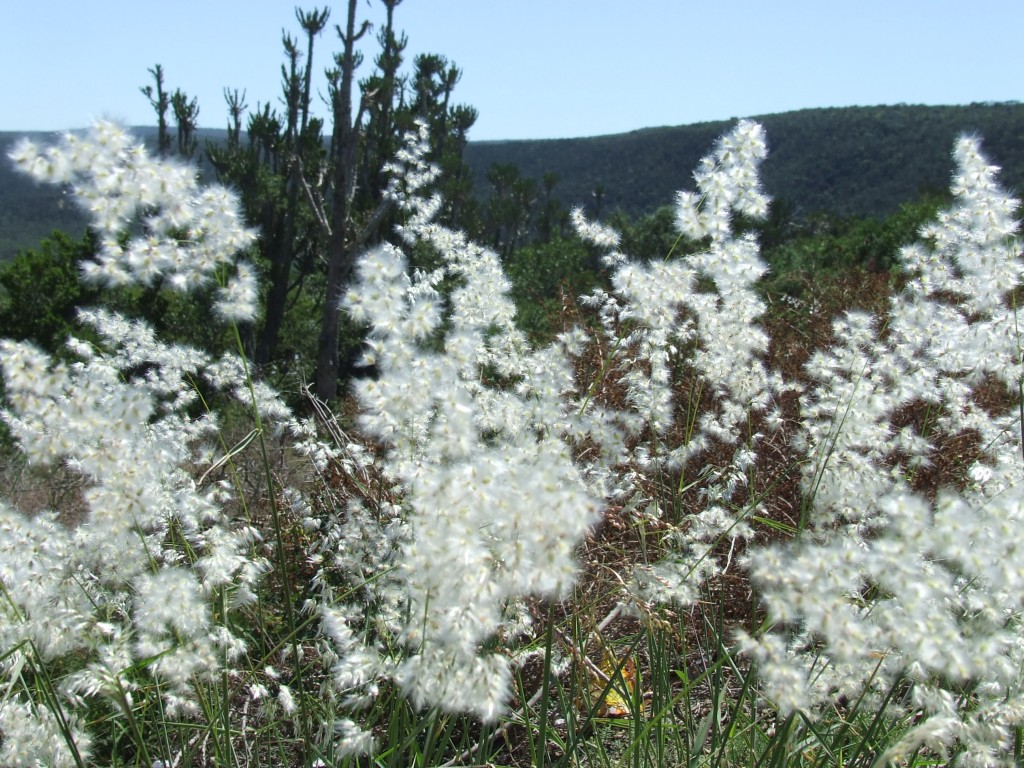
[853,161]
[30,211]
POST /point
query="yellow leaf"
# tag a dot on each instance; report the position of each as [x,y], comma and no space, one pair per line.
[617,702]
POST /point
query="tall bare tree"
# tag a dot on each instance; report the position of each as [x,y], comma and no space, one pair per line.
[160,102]
[343,242]
[318,200]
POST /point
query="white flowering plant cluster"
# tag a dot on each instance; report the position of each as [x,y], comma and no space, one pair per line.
[135,605]
[920,584]
[693,319]
[479,464]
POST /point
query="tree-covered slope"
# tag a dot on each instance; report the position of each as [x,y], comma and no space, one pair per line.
[852,161]
[849,161]
[30,211]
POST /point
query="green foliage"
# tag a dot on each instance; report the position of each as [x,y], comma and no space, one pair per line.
[507,214]
[433,84]
[541,275]
[653,236]
[41,291]
[179,318]
[828,242]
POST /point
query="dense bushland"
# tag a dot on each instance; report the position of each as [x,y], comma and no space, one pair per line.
[688,527]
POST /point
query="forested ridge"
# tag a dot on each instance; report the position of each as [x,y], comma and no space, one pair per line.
[849,161]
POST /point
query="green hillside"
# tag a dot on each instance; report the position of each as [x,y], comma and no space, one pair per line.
[30,211]
[849,161]
[854,161]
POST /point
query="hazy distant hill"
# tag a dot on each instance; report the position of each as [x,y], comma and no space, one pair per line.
[31,211]
[850,161]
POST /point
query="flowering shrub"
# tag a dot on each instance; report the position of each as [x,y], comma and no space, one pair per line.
[919,587]
[478,466]
[143,582]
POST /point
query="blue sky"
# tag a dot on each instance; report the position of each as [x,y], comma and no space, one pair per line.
[533,68]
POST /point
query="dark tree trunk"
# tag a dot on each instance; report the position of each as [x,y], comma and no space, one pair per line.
[341,246]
